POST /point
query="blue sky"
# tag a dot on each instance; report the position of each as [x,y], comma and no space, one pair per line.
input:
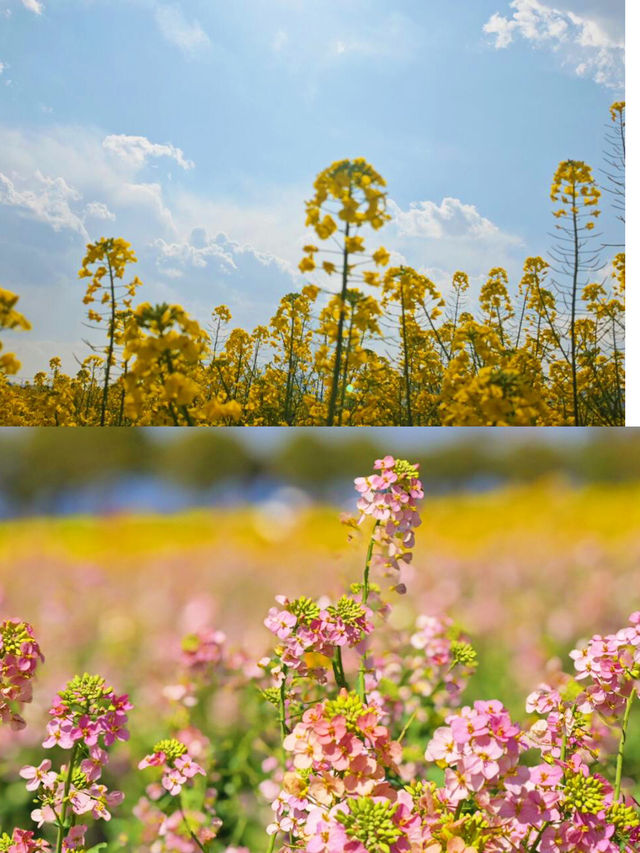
[195,129]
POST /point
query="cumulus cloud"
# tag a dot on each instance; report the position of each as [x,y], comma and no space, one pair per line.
[588,35]
[188,36]
[138,150]
[219,256]
[200,272]
[198,253]
[450,235]
[105,175]
[44,199]
[450,218]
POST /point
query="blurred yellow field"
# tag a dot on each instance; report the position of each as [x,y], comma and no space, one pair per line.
[547,561]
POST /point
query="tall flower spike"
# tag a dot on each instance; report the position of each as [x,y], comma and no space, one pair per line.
[391,498]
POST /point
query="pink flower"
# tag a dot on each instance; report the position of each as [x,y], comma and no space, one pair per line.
[92,766]
[443,746]
[173,781]
[155,759]
[280,622]
[40,775]
[60,734]
[44,815]
[74,838]
[23,841]
[188,767]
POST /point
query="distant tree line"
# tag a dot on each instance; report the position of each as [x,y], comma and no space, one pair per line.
[36,466]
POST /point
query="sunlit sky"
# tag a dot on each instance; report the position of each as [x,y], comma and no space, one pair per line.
[194,129]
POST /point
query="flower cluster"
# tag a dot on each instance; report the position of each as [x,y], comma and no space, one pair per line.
[188,827]
[360,193]
[87,717]
[19,658]
[560,726]
[477,746]
[574,185]
[203,650]
[175,762]
[338,750]
[390,497]
[88,712]
[310,635]
[612,664]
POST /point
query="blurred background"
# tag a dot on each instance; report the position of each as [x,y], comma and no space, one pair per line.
[116,544]
[163,470]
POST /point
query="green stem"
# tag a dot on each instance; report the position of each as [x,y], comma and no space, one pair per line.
[112,332]
[365,596]
[407,726]
[333,398]
[194,837]
[272,843]
[367,566]
[623,738]
[284,729]
[65,800]
[338,669]
[238,832]
[563,748]
[534,847]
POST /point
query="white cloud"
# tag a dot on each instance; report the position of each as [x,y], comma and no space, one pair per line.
[219,253]
[137,150]
[98,210]
[176,258]
[44,199]
[201,272]
[3,65]
[318,36]
[448,236]
[274,223]
[33,6]
[450,218]
[189,37]
[588,35]
[78,156]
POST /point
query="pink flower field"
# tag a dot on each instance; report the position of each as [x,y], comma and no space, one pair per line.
[424,673]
